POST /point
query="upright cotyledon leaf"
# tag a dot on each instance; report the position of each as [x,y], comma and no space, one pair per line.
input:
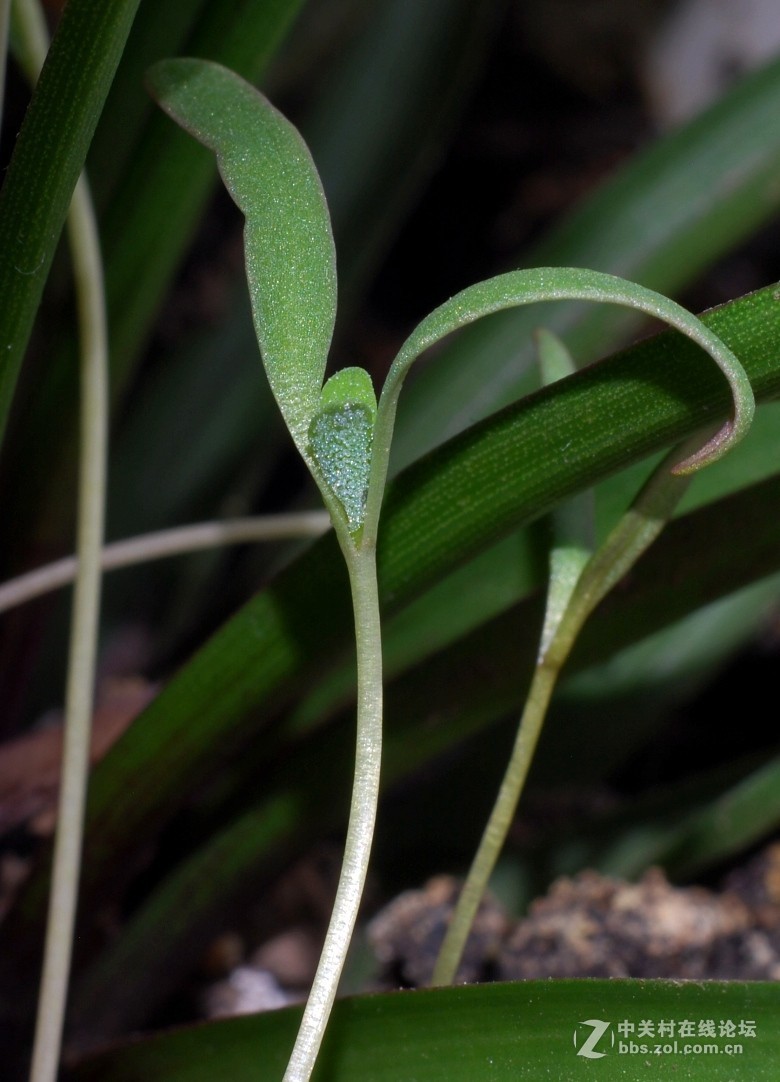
[291,270]
[290,256]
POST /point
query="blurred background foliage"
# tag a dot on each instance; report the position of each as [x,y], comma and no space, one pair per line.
[455,140]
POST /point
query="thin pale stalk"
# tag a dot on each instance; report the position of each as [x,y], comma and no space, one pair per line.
[633,534]
[165,543]
[88,275]
[361,563]
[84,628]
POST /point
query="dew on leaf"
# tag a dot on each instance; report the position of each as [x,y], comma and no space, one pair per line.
[341,438]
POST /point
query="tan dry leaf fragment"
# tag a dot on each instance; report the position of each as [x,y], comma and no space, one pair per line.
[30,765]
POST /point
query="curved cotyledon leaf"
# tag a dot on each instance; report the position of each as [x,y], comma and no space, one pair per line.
[290,256]
[523,287]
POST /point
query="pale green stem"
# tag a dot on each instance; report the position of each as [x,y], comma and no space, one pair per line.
[88,275]
[632,535]
[173,542]
[498,825]
[84,628]
[361,562]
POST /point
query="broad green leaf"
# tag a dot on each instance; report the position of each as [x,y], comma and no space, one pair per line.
[529,1030]
[46,162]
[290,258]
[502,575]
[512,567]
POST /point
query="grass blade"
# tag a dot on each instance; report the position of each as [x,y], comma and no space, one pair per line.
[46,162]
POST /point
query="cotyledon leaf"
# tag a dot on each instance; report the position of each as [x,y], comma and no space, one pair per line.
[517,288]
[290,256]
[573,283]
[341,436]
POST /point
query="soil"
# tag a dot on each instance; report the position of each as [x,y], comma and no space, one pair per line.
[595,926]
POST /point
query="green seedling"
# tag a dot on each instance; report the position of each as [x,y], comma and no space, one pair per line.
[344,436]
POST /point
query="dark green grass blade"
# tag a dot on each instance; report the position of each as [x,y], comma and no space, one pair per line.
[454,695]
[484,485]
[47,160]
[531,1030]
[219,366]
[686,828]
[727,825]
[488,482]
[268,650]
